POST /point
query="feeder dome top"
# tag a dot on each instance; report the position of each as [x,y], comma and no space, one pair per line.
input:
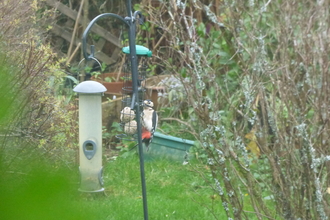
[140,51]
[89,87]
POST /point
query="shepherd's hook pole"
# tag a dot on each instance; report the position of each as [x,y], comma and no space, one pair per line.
[131,25]
[132,46]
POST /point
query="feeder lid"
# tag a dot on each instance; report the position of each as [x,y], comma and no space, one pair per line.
[140,51]
[89,87]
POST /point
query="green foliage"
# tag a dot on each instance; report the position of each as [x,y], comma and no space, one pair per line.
[128,149]
[151,70]
[40,194]
[176,129]
[109,136]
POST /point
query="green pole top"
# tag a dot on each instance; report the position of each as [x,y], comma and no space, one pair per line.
[140,51]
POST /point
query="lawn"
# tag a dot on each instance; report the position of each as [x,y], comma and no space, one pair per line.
[174,191]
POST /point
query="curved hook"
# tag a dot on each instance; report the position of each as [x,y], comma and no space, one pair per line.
[90,58]
[90,25]
[141,19]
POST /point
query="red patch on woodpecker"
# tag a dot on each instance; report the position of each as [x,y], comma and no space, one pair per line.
[145,134]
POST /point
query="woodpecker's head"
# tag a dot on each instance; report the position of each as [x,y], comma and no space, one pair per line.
[148,103]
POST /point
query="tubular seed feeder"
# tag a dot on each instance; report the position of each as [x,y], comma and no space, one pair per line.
[90,135]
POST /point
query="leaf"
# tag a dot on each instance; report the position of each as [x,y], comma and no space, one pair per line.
[216,45]
[75,81]
[252,145]
[251,136]
[170,95]
[108,79]
[201,30]
[271,197]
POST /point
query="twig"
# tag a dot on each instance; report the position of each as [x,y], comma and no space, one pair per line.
[182,122]
[75,28]
[259,214]
[163,36]
[120,68]
[74,53]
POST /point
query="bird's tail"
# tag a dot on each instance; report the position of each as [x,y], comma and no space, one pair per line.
[147,147]
[147,144]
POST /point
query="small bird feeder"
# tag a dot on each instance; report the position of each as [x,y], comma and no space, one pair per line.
[128,114]
[90,135]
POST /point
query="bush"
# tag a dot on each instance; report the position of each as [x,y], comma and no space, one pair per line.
[256,82]
[33,120]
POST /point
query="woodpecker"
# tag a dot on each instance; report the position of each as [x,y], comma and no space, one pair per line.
[130,127]
[127,114]
[149,122]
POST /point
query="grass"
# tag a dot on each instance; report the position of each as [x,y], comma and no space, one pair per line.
[173,192]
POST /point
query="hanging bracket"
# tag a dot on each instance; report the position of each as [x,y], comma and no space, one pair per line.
[89,27]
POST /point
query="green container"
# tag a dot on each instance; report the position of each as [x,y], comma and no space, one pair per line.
[168,147]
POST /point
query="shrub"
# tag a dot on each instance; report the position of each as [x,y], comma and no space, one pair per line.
[33,120]
[256,80]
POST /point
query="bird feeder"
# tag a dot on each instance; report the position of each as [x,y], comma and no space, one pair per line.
[90,135]
[142,54]
[135,90]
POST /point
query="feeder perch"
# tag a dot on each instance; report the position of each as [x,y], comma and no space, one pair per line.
[90,135]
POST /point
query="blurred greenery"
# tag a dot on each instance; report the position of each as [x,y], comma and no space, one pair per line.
[30,186]
[174,192]
[39,194]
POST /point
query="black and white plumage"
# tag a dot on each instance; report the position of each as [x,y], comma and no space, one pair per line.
[127,115]
[149,122]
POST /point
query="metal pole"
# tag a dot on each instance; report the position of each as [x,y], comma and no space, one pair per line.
[135,99]
[129,9]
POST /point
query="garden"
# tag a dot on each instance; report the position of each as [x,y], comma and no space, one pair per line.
[245,82]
